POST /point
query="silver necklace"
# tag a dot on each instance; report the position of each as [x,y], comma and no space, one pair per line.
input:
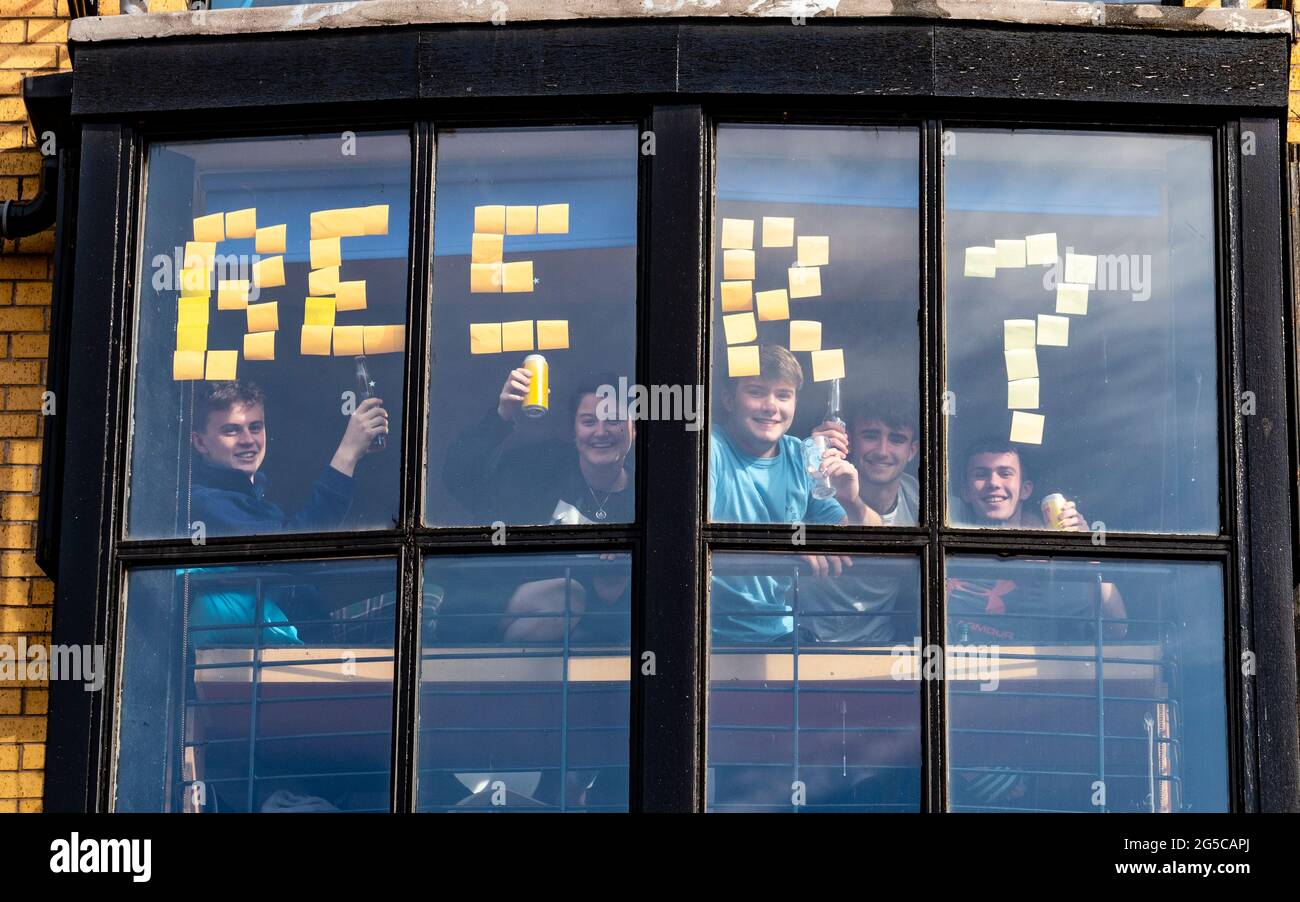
[600,505]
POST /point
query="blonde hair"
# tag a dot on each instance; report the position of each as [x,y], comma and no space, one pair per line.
[776,364]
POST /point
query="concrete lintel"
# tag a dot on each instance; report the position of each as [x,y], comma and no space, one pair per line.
[388,13]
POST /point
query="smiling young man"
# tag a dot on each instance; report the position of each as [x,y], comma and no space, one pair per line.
[1006,603]
[996,486]
[757,475]
[881,440]
[229,442]
[870,605]
[756,470]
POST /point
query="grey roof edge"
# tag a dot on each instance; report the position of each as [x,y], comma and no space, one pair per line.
[500,13]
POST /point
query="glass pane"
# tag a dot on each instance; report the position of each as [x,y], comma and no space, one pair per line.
[1085,686]
[534,291]
[808,708]
[816,277]
[1082,361]
[524,682]
[256,411]
[258,687]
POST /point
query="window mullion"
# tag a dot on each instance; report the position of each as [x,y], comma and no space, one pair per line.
[933,393]
[669,572]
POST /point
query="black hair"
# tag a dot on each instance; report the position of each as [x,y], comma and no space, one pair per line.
[589,385]
[996,444]
[892,409]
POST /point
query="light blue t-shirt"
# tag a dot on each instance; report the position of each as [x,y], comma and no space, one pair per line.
[747,489]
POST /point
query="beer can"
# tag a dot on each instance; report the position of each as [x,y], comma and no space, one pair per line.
[1053,505]
[537,402]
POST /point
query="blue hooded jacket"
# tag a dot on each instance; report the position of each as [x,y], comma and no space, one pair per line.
[229,504]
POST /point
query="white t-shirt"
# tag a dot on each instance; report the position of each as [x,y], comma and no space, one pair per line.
[903,513]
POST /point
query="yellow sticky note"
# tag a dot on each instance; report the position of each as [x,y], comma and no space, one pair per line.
[1022,363]
[517,336]
[1040,249]
[1009,253]
[828,364]
[981,262]
[517,276]
[192,338]
[348,341]
[384,339]
[485,338]
[742,361]
[805,335]
[210,228]
[269,273]
[187,365]
[740,328]
[553,219]
[350,296]
[242,223]
[319,312]
[374,219]
[738,264]
[1053,330]
[271,239]
[773,305]
[490,218]
[486,247]
[323,281]
[778,231]
[521,220]
[315,341]
[1017,333]
[1080,269]
[326,252]
[484,277]
[396,337]
[805,282]
[192,311]
[196,282]
[232,295]
[737,296]
[1022,394]
[738,233]
[259,346]
[345,222]
[552,334]
[221,366]
[814,250]
[1072,298]
[200,255]
[1027,428]
[263,317]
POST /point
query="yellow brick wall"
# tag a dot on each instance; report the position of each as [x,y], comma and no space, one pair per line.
[1293,106]
[33,34]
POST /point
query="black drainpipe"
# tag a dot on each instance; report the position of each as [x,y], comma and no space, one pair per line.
[20,218]
[49,106]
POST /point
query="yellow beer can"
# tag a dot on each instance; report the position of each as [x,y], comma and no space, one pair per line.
[1052,506]
[537,402]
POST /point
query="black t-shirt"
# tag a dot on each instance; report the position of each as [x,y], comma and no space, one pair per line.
[1030,603]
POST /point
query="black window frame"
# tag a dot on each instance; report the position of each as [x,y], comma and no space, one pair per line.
[677,78]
